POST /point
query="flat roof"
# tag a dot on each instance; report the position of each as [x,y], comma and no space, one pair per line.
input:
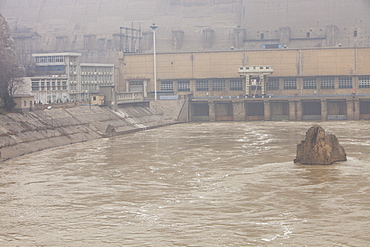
[97,64]
[75,54]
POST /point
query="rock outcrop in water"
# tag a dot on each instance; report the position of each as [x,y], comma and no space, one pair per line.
[319,148]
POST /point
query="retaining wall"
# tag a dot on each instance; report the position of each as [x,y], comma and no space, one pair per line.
[22,133]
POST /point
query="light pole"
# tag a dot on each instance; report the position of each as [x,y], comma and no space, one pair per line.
[154,27]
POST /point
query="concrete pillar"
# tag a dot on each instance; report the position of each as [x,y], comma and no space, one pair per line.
[331,34]
[247,85]
[239,36]
[177,39]
[295,110]
[147,43]
[267,110]
[353,109]
[284,36]
[262,83]
[239,111]
[89,41]
[324,110]
[212,111]
[208,37]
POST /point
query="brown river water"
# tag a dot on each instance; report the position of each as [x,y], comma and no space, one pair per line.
[195,184]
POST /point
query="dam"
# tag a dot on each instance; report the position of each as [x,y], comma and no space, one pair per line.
[235,108]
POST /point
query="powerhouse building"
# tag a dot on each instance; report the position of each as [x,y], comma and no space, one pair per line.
[292,84]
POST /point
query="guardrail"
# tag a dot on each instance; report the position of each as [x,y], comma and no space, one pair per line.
[283,96]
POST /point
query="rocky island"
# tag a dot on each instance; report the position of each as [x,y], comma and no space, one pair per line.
[319,148]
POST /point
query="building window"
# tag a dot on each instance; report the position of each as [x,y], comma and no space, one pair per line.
[136,86]
[35,86]
[166,85]
[364,82]
[218,85]
[272,84]
[201,85]
[345,82]
[236,84]
[290,83]
[309,83]
[50,59]
[327,83]
[183,86]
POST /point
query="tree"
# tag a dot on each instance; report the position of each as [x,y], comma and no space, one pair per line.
[10,68]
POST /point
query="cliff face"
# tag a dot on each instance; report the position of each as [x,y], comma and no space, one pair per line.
[41,129]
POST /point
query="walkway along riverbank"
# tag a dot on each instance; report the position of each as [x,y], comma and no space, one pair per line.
[23,133]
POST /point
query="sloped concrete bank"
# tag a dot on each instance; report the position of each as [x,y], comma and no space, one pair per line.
[23,133]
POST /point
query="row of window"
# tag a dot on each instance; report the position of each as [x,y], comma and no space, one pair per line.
[42,85]
[314,83]
[271,84]
[97,78]
[91,69]
[89,87]
[203,85]
[50,59]
[50,68]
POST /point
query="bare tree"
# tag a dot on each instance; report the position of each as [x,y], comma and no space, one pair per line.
[10,68]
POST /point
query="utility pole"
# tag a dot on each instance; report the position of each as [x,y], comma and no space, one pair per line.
[154,27]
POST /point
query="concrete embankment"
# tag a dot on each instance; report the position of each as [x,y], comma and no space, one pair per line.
[22,133]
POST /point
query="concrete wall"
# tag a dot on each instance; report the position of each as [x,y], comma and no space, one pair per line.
[41,129]
[314,23]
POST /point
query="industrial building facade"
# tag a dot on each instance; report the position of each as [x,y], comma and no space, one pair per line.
[60,77]
[304,84]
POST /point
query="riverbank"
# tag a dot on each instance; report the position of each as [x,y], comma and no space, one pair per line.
[23,133]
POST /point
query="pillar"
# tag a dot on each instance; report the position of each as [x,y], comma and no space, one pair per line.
[177,39]
[295,110]
[247,85]
[267,110]
[284,36]
[212,111]
[353,109]
[239,111]
[262,83]
[331,34]
[239,36]
[324,110]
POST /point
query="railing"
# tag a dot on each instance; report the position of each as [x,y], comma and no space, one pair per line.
[283,96]
[131,96]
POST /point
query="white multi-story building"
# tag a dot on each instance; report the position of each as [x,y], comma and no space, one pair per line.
[94,75]
[60,77]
